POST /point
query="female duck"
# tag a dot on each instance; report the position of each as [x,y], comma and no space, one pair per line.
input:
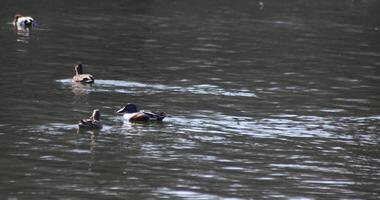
[21,21]
[91,123]
[133,115]
[80,77]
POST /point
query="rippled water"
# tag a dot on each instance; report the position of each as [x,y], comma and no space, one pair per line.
[271,100]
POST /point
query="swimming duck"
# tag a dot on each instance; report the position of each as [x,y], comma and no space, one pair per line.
[21,21]
[133,115]
[91,123]
[80,77]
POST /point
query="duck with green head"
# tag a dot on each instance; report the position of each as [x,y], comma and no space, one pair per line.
[131,114]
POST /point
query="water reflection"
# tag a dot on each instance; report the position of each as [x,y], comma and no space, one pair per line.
[24,33]
[80,89]
[81,92]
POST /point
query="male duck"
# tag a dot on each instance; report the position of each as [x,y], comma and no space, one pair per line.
[91,123]
[80,77]
[131,114]
[21,21]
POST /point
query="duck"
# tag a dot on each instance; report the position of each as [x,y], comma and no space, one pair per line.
[131,114]
[80,77]
[91,123]
[21,21]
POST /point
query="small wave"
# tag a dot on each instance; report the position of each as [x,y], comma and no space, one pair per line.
[61,128]
[54,128]
[277,125]
[135,87]
[183,194]
[218,126]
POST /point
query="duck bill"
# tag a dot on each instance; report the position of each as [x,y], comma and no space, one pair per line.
[121,110]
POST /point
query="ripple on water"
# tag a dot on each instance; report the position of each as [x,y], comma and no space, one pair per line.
[129,87]
[181,193]
[53,128]
[275,126]
[218,124]
[52,158]
[61,128]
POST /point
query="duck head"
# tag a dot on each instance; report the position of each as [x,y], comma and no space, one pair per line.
[129,108]
[28,22]
[96,115]
[78,69]
[16,17]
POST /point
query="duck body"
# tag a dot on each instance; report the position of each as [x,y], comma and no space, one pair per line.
[83,78]
[131,114]
[21,21]
[144,116]
[80,77]
[91,123]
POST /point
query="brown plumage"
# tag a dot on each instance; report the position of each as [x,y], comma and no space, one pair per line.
[80,77]
[91,123]
[139,117]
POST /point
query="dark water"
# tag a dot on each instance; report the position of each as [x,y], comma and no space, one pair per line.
[273,102]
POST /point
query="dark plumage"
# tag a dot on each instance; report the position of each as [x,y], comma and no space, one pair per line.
[91,123]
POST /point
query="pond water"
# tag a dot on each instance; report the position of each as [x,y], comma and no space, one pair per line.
[265,100]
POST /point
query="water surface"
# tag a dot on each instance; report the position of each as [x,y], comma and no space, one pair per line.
[278,100]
